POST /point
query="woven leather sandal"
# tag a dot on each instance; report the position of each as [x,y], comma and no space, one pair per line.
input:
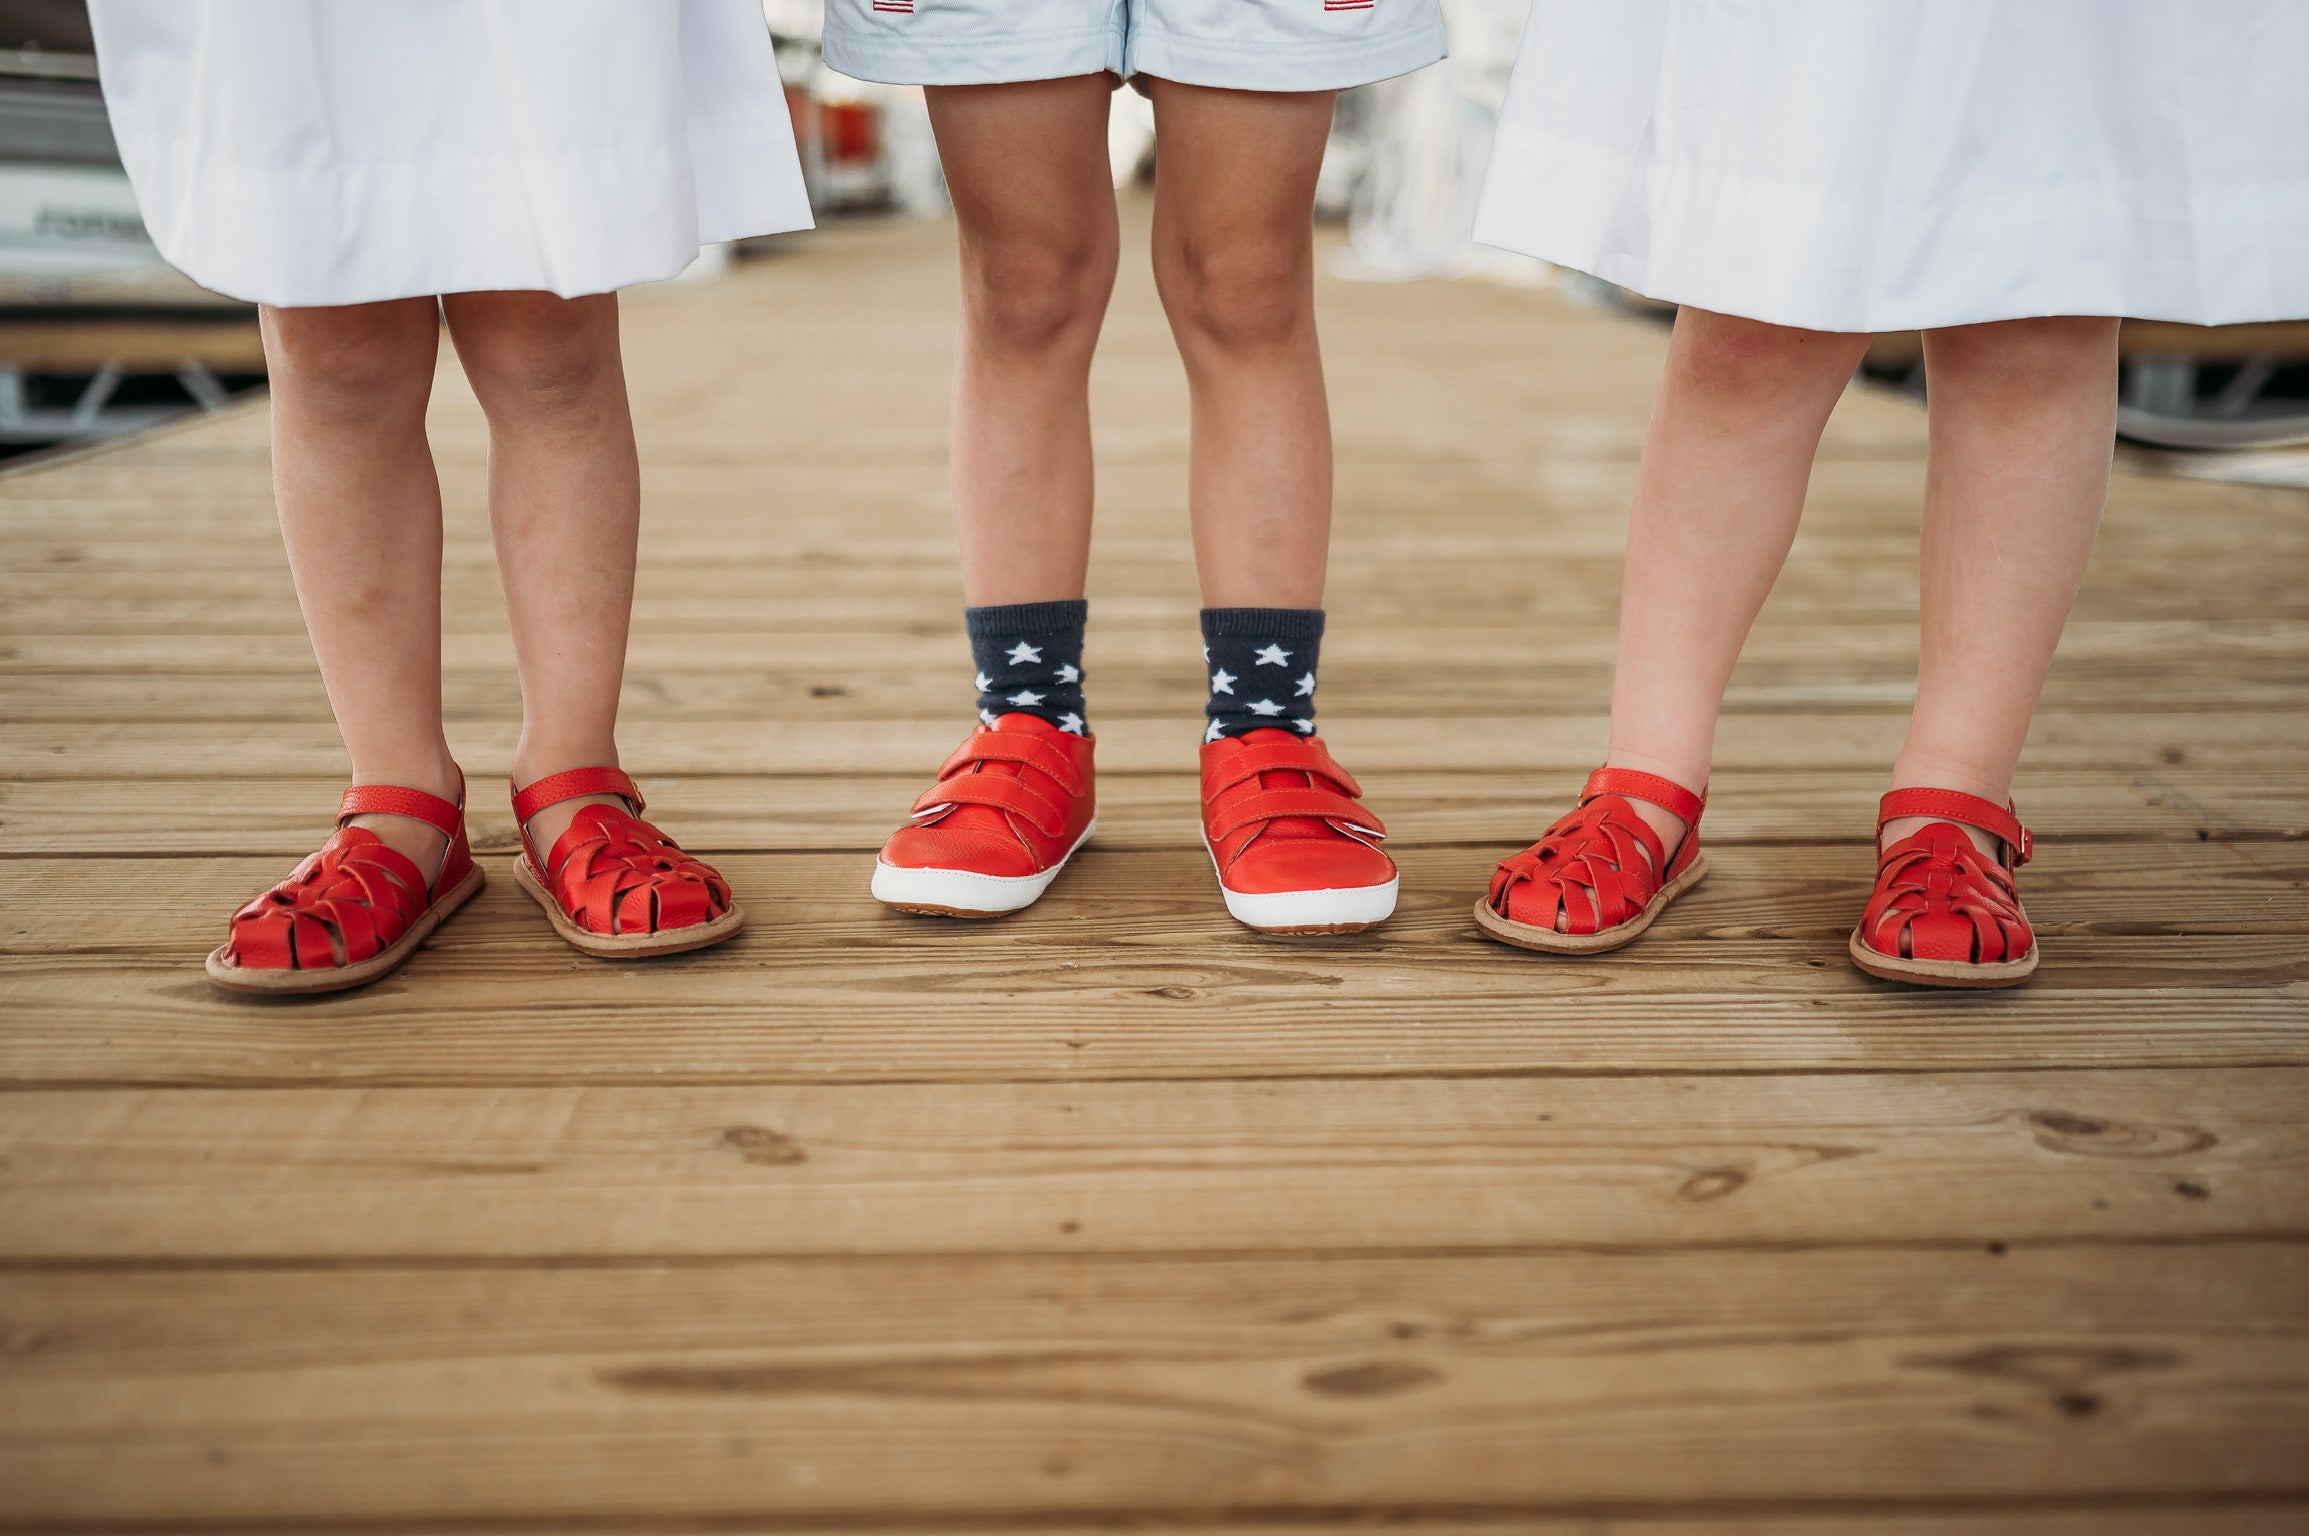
[1600,871]
[355,910]
[614,886]
[1943,913]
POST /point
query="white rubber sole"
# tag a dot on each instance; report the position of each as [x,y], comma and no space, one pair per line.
[965,893]
[1342,909]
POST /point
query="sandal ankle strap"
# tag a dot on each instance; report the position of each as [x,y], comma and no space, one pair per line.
[569,784]
[1999,821]
[1665,793]
[443,816]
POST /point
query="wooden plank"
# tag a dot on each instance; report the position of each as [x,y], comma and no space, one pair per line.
[1114,1391]
[226,818]
[2252,1516]
[2259,740]
[816,686]
[229,345]
[1578,589]
[763,646]
[377,1175]
[1129,969]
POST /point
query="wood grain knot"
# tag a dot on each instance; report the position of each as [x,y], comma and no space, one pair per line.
[2063,1367]
[1371,1378]
[2075,1135]
[761,1145]
[1712,1184]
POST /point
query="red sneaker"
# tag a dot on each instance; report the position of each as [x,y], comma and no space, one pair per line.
[1010,807]
[1294,851]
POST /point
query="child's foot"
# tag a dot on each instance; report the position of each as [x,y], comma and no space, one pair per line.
[1294,851]
[1010,807]
[1601,875]
[613,886]
[358,908]
[1944,913]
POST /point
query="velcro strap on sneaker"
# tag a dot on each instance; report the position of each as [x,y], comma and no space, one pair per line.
[1998,821]
[1665,793]
[1307,755]
[568,785]
[992,747]
[1006,794]
[394,800]
[1269,804]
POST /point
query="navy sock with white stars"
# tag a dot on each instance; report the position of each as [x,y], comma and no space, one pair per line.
[1030,660]
[1261,663]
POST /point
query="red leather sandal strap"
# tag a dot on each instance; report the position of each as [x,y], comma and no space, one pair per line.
[1998,821]
[395,800]
[1007,794]
[1306,755]
[1268,804]
[988,747]
[568,785]
[1666,793]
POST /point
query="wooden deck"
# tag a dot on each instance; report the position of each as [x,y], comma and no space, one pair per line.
[1113,1214]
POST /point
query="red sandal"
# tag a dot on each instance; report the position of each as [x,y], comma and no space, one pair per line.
[356,909]
[1601,871]
[1944,914]
[616,887]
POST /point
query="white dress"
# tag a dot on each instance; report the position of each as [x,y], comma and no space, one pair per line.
[1873,165]
[343,151]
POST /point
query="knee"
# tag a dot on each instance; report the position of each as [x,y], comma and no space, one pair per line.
[2027,357]
[1238,297]
[534,352]
[1731,357]
[361,359]
[1031,296]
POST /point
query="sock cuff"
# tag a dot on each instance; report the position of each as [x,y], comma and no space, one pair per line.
[1263,623]
[1013,621]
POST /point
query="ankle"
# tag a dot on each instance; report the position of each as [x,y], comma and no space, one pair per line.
[434,771]
[539,759]
[1670,827]
[1918,773]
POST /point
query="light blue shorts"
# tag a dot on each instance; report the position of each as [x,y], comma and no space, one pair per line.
[1244,45]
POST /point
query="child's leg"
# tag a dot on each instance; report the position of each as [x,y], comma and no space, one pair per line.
[1726,461]
[1234,259]
[565,508]
[2023,418]
[1034,203]
[360,512]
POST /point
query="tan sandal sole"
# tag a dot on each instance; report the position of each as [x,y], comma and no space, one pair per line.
[1548,941]
[1943,973]
[625,946]
[341,978]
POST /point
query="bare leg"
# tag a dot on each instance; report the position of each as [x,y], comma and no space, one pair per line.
[1726,462]
[1235,261]
[1032,196]
[360,512]
[565,507]
[2023,418]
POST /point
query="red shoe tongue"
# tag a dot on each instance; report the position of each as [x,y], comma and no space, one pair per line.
[990,818]
[1288,778]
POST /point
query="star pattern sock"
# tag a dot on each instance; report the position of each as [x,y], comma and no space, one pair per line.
[1030,660]
[1262,668]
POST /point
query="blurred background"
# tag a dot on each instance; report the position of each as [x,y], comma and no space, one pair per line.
[99,338]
